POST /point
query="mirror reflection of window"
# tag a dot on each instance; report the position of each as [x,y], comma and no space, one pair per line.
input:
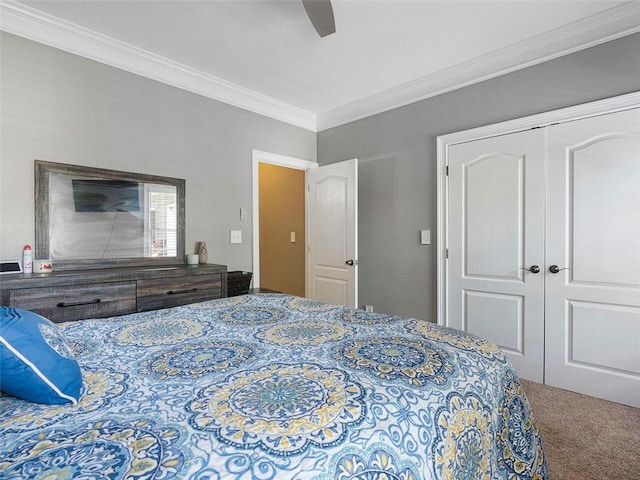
[160,221]
[94,218]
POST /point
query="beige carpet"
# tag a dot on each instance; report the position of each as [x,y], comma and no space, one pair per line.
[586,438]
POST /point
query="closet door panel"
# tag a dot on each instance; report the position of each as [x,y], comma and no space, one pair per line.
[493,183]
[610,326]
[498,316]
[593,230]
[496,234]
[604,187]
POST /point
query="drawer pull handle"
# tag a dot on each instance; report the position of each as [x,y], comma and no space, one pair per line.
[75,304]
[178,292]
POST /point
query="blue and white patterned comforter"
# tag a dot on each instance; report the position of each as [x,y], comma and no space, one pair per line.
[277,387]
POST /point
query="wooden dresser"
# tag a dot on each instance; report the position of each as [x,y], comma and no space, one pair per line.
[75,295]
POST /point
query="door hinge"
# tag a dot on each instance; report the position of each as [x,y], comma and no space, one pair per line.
[308,188]
[446,253]
[447,171]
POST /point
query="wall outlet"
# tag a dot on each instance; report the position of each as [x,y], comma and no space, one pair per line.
[235,236]
[368,308]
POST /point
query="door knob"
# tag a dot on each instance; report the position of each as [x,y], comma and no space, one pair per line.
[532,269]
[556,268]
[351,263]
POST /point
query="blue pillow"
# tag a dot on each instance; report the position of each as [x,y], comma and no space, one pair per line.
[36,363]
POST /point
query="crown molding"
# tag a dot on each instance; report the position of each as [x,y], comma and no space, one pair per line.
[608,25]
[38,26]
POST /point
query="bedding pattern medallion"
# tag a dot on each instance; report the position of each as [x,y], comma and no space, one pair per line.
[272,386]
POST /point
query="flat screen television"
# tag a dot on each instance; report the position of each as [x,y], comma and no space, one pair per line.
[94,195]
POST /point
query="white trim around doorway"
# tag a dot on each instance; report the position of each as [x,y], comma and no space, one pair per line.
[257,157]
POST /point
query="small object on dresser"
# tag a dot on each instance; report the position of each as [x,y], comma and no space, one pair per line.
[238,283]
[10,266]
[202,252]
[43,265]
[193,259]
[27,259]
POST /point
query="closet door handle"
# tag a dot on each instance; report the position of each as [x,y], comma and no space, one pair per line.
[532,269]
[556,268]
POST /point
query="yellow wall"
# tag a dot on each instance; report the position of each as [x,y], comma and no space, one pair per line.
[282,265]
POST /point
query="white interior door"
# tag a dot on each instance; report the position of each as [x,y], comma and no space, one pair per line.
[593,230]
[495,285]
[333,233]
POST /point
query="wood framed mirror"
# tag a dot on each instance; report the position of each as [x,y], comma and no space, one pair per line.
[90,217]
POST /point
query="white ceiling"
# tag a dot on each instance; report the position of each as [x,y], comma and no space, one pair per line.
[383,54]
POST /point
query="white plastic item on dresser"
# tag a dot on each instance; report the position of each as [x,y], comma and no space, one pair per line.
[27,259]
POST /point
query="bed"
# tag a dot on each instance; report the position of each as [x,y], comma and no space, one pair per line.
[273,386]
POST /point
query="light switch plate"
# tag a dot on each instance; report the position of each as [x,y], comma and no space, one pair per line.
[425,237]
[235,236]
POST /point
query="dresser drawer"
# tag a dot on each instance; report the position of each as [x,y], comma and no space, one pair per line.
[171,292]
[75,302]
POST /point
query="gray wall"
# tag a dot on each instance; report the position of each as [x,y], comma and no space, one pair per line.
[397,161]
[59,107]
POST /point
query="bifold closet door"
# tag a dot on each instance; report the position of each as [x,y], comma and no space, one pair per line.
[593,235]
[495,285]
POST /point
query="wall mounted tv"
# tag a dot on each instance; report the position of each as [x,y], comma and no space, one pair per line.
[93,195]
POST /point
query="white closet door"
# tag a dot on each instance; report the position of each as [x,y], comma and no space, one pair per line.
[593,230]
[496,232]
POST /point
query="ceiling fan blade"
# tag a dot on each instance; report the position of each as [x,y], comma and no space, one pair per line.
[320,12]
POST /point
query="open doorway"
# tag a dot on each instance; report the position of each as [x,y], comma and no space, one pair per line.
[282,228]
[272,240]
